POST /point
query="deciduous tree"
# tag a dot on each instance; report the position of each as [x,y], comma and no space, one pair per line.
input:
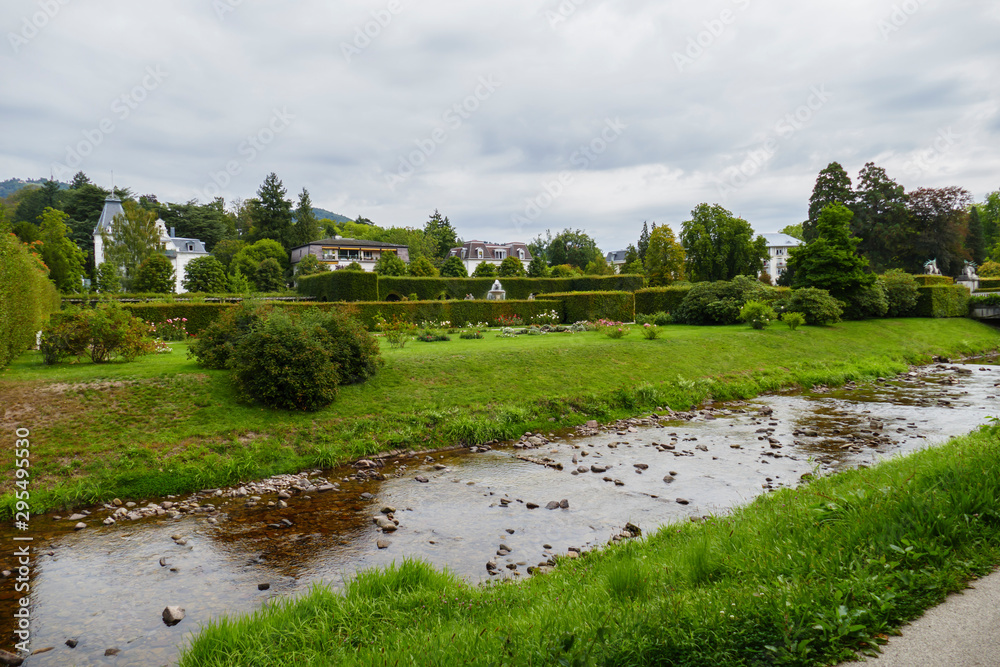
[205,274]
[133,237]
[664,258]
[65,260]
[720,246]
[155,275]
[511,267]
[454,267]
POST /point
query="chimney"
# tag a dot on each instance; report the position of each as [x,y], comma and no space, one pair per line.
[173,231]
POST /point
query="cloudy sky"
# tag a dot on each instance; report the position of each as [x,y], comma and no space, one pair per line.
[510,117]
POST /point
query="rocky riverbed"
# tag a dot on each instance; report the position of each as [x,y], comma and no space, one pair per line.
[105,577]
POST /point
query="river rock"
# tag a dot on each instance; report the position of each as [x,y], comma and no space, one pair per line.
[564,504]
[112,651]
[80,526]
[10,658]
[263,587]
[76,517]
[552,505]
[108,521]
[531,506]
[42,650]
[173,615]
[641,466]
[421,479]
[598,469]
[683,501]
[383,543]
[72,643]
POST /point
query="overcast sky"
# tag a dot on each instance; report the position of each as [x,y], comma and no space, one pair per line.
[510,117]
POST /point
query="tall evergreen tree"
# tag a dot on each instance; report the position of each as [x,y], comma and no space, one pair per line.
[441,235]
[975,241]
[643,244]
[833,186]
[79,180]
[271,212]
[829,261]
[306,229]
[881,219]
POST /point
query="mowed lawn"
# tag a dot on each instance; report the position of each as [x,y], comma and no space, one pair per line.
[164,416]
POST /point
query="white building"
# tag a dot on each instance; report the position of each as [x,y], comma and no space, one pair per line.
[178,250]
[337,252]
[474,253]
[778,246]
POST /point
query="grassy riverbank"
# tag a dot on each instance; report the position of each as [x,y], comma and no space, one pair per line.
[799,577]
[164,425]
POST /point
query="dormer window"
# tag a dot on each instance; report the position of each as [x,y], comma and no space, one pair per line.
[520,254]
[479,253]
[499,254]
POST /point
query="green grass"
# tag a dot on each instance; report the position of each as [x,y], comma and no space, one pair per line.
[163,425]
[807,576]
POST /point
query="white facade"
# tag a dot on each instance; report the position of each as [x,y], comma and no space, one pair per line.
[178,250]
[778,246]
[474,253]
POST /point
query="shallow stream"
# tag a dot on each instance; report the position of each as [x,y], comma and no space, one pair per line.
[105,586]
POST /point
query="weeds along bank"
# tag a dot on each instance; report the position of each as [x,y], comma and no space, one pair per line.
[164,424]
[799,577]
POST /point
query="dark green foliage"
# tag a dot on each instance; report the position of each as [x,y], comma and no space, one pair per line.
[427,289]
[643,244]
[268,276]
[720,246]
[310,265]
[249,258]
[218,328]
[901,293]
[227,249]
[422,267]
[718,302]
[657,299]
[353,266]
[207,222]
[282,363]
[389,264]
[205,274]
[511,267]
[592,306]
[926,279]
[272,213]
[27,297]
[571,247]
[108,332]
[881,219]
[989,283]
[484,270]
[155,274]
[341,286]
[936,228]
[816,305]
[440,235]
[109,280]
[867,301]
[306,227]
[833,186]
[350,346]
[538,267]
[829,261]
[943,301]
[975,240]
[454,267]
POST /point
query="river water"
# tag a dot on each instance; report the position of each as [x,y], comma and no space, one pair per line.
[105,587]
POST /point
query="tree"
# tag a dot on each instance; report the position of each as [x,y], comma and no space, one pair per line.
[133,238]
[664,258]
[989,214]
[271,212]
[484,270]
[829,261]
[306,228]
[226,249]
[208,222]
[598,267]
[511,267]
[205,274]
[36,200]
[268,276]
[795,231]
[422,268]
[80,179]
[155,275]
[239,283]
[249,258]
[310,265]
[719,246]
[454,267]
[389,264]
[109,280]
[571,247]
[632,255]
[880,218]
[538,267]
[441,235]
[65,260]
[644,242]
[353,266]
[937,228]
[84,204]
[975,241]
[833,186]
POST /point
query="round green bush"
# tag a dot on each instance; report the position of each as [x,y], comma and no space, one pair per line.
[757,314]
[901,291]
[815,304]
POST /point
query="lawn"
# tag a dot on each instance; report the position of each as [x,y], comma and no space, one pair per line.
[162,424]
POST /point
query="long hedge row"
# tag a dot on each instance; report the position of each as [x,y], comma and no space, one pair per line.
[358,286]
[592,306]
[27,297]
[942,301]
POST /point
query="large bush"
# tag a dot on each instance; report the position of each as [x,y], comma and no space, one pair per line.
[719,302]
[815,304]
[107,332]
[901,292]
[205,274]
[866,301]
[27,297]
[214,346]
[155,274]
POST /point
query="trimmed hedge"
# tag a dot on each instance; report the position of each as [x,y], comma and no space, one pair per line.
[199,315]
[988,284]
[27,298]
[336,286]
[924,279]
[656,299]
[943,301]
[340,286]
[591,306]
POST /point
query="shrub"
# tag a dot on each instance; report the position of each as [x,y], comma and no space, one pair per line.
[511,267]
[63,338]
[268,276]
[238,283]
[471,335]
[659,319]
[283,363]
[349,344]
[943,301]
[422,267]
[310,265]
[866,301]
[547,317]
[615,330]
[172,329]
[389,264]
[108,332]
[155,274]
[397,331]
[793,320]
[27,297]
[484,270]
[215,345]
[718,302]
[757,314]
[353,266]
[989,269]
[901,293]
[577,306]
[815,304]
[204,274]
[510,321]
[650,331]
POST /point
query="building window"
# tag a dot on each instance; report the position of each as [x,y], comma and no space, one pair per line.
[463,253]
[368,256]
[329,254]
[499,254]
[479,252]
[520,254]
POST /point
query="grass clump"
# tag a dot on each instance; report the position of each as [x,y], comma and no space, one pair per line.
[803,576]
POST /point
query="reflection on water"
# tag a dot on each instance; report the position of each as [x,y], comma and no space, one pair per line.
[106,587]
